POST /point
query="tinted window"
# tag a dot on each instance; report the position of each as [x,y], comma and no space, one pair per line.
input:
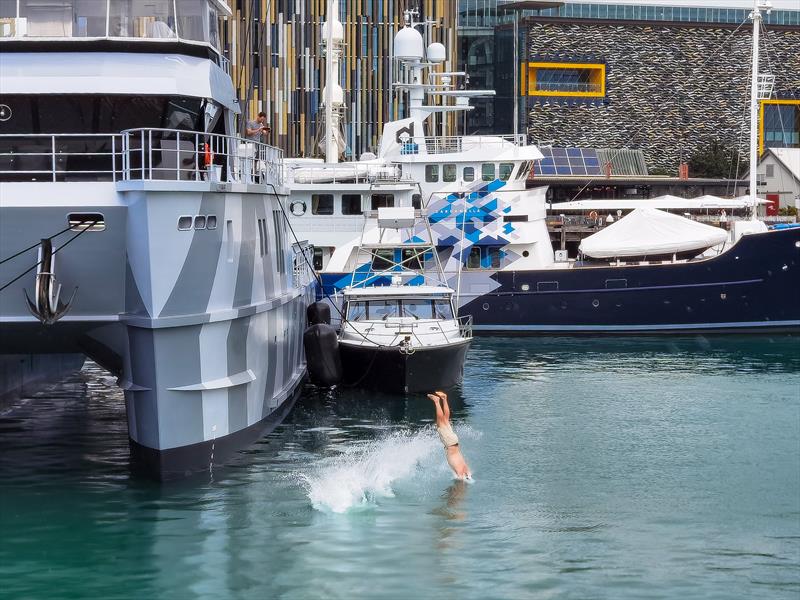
[487,172]
[381,200]
[449,173]
[505,171]
[416,201]
[351,204]
[431,173]
[469,174]
[474,258]
[322,204]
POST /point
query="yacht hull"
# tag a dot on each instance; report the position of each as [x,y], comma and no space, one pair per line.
[202,326]
[389,370]
[752,287]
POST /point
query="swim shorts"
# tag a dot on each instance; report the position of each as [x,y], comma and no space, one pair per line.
[447,435]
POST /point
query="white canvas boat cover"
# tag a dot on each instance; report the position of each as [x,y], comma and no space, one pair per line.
[651,232]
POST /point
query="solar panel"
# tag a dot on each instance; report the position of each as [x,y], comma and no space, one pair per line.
[568,161]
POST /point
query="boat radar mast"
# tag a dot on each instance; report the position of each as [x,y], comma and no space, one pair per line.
[760,89]
[333,96]
[414,59]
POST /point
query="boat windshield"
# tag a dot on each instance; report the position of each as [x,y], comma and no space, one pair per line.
[419,308]
[192,20]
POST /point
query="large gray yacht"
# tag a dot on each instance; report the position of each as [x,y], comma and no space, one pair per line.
[138,229]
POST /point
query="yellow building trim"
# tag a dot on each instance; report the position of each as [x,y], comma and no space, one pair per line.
[598,78]
[761,119]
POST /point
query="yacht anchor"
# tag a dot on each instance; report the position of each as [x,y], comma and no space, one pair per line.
[48,307]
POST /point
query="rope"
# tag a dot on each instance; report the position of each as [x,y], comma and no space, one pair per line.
[64,245]
[55,235]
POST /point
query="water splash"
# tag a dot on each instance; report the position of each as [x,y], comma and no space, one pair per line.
[364,473]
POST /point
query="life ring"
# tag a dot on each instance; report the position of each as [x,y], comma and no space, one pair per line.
[298,208]
[593,215]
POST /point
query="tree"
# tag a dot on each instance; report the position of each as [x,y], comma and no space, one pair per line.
[718,161]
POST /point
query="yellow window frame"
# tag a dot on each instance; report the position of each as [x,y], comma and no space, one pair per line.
[529,71]
[761,104]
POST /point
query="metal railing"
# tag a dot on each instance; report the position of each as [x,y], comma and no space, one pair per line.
[60,157]
[459,143]
[303,257]
[172,154]
[138,154]
[348,172]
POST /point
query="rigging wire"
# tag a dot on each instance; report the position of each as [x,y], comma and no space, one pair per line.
[31,247]
[64,245]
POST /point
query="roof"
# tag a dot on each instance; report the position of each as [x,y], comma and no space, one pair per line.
[789,158]
[125,73]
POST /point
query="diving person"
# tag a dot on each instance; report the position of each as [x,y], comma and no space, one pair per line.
[449,439]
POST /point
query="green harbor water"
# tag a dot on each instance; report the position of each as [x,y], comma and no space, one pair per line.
[604,468]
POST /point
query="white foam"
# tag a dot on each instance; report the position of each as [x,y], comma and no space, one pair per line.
[363,473]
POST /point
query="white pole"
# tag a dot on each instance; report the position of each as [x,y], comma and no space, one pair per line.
[756,17]
[331,155]
[516,75]
[461,251]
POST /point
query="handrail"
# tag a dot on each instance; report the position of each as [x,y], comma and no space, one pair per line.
[138,154]
[447,144]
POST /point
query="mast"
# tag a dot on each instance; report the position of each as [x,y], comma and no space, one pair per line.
[332,33]
[756,17]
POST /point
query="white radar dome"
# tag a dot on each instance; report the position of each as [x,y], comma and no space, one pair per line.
[337,33]
[437,53]
[408,44]
[337,94]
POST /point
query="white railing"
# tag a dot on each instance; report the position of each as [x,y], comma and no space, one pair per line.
[187,155]
[448,144]
[347,172]
[60,157]
[303,256]
[138,154]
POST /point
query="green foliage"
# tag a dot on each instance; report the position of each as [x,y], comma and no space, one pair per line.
[717,160]
[788,211]
[661,171]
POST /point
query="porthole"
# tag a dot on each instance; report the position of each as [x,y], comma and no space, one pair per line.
[211,222]
[185,223]
[485,306]
[525,253]
[200,222]
[595,302]
[525,287]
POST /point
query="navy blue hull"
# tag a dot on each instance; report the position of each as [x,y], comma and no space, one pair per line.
[754,286]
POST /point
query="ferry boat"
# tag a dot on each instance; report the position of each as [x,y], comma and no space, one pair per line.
[138,229]
[399,331]
[491,233]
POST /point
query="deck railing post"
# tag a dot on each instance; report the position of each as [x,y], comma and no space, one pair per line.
[53,156]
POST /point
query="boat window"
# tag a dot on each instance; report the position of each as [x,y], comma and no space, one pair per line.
[351,204]
[190,20]
[474,258]
[383,309]
[431,173]
[421,309]
[153,19]
[487,172]
[317,260]
[492,257]
[443,309]
[381,200]
[413,259]
[469,174]
[322,204]
[357,311]
[383,260]
[505,171]
[449,173]
[416,201]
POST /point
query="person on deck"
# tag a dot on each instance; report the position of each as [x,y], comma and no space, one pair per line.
[255,130]
[449,439]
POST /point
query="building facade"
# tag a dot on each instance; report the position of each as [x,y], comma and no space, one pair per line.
[278,65]
[667,77]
